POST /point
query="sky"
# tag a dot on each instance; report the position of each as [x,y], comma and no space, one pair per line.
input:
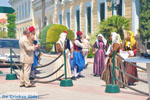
[4,3]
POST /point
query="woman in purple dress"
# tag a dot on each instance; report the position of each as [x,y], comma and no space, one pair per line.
[99,59]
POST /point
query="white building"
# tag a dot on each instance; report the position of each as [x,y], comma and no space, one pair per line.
[24,17]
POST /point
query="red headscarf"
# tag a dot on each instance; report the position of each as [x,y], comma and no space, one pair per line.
[31,29]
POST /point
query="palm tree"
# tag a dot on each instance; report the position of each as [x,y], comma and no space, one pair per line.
[112,24]
[43,13]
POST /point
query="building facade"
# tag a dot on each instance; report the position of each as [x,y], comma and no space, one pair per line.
[83,15]
[49,13]
[24,16]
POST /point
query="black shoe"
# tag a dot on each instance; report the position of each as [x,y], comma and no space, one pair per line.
[31,78]
[131,84]
[22,85]
[94,75]
[29,86]
[80,76]
[85,66]
[73,78]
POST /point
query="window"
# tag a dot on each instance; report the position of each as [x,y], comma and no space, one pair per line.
[102,11]
[60,19]
[26,9]
[89,19]
[68,19]
[119,10]
[78,19]
[29,8]
[23,11]
[19,12]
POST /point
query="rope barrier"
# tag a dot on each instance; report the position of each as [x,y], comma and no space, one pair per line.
[114,53]
[17,66]
[132,63]
[41,66]
[50,80]
[131,75]
[16,73]
[46,43]
[51,73]
[132,88]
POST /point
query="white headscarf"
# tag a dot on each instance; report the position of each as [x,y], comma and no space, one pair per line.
[103,39]
[115,38]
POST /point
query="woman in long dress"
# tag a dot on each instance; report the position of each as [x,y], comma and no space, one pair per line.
[63,45]
[131,45]
[99,59]
[107,73]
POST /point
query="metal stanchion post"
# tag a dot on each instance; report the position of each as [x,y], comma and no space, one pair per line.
[148,77]
[111,88]
[66,82]
[1,72]
[11,76]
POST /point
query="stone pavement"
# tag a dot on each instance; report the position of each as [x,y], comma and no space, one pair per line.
[88,88]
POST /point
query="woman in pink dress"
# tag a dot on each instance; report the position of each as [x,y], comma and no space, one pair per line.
[99,59]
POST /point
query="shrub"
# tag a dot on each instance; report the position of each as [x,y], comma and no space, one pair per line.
[3,34]
[111,24]
[90,55]
[43,33]
[55,31]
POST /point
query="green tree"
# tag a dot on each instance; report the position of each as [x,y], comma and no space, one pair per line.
[144,26]
[11,18]
[111,24]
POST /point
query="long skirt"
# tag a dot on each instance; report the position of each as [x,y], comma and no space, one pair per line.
[107,73]
[99,62]
[78,60]
[132,70]
[58,63]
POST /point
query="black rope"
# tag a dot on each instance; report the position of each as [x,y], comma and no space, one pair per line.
[132,63]
[46,43]
[132,88]
[50,80]
[50,74]
[131,75]
[41,66]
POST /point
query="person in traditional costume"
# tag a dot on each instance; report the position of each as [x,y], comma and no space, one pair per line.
[64,44]
[99,59]
[131,46]
[107,73]
[86,48]
[78,58]
[36,52]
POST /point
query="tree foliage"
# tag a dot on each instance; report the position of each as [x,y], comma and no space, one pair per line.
[111,24]
[144,26]
[11,18]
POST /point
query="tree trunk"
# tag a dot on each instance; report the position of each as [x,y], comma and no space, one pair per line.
[43,13]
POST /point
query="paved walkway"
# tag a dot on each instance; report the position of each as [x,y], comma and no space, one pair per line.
[88,88]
